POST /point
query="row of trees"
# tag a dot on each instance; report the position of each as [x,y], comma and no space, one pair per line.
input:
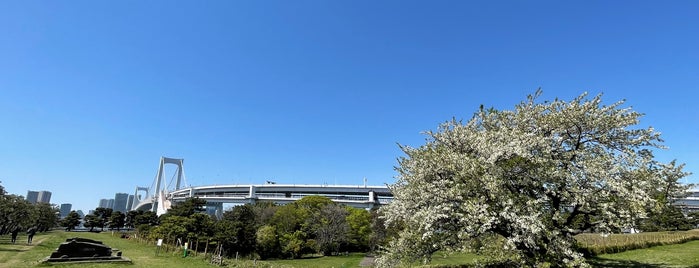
[311,225]
[107,218]
[16,212]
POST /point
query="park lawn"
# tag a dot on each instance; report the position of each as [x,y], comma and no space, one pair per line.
[678,255]
[351,260]
[441,258]
[22,255]
[143,255]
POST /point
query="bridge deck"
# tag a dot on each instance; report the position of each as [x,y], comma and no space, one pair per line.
[353,195]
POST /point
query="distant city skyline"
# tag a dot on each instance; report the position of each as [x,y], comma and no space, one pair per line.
[121,201]
[38,197]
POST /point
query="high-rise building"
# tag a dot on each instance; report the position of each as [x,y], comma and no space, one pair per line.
[110,203]
[104,203]
[81,214]
[120,200]
[32,196]
[65,209]
[44,197]
[129,203]
[38,197]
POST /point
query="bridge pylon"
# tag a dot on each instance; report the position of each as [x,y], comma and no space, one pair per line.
[159,178]
[155,198]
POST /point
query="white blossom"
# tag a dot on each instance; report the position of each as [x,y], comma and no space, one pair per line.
[535,176]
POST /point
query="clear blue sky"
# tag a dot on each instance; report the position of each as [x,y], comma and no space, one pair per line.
[93,93]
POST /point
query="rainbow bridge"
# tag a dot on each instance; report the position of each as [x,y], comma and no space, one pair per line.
[159,198]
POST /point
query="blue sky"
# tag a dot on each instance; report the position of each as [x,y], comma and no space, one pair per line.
[93,93]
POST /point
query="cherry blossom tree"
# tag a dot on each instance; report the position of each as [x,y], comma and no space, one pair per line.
[532,177]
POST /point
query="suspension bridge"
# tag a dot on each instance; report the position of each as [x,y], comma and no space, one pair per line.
[161,195]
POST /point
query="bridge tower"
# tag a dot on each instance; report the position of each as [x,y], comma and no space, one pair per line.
[159,178]
[155,197]
[137,198]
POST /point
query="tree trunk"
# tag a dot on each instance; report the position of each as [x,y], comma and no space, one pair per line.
[206,248]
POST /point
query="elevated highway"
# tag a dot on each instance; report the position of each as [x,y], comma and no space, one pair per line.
[218,197]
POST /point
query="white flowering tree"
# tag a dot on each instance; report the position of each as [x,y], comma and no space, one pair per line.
[532,177]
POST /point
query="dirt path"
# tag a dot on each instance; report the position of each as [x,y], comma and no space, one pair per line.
[11,254]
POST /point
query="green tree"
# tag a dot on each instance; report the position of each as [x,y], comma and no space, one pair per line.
[236,231]
[144,221]
[669,218]
[71,221]
[117,220]
[525,175]
[45,216]
[103,215]
[91,221]
[666,216]
[330,228]
[184,222]
[187,208]
[15,211]
[297,225]
[313,203]
[264,212]
[201,227]
[292,244]
[288,218]
[130,220]
[267,242]
[149,218]
[172,229]
[359,233]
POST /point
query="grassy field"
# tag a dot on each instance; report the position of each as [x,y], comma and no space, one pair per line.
[143,255]
[23,255]
[679,255]
[351,260]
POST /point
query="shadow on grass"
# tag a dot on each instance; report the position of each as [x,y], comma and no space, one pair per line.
[13,249]
[602,262]
[316,256]
[310,257]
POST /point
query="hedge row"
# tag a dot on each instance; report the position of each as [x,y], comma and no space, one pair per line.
[596,244]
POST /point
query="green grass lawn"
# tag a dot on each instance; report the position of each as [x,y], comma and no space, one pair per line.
[23,255]
[453,258]
[679,255]
[144,255]
[351,260]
